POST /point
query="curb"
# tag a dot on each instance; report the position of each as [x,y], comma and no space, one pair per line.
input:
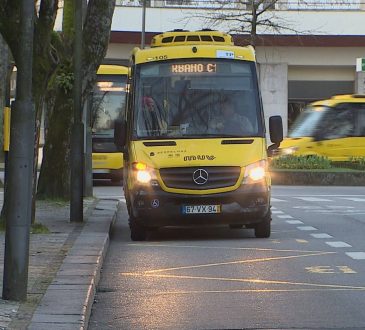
[69,298]
[292,177]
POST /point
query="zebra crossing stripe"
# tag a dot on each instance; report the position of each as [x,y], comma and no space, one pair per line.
[338,244]
[285,216]
[354,199]
[307,228]
[277,200]
[356,255]
[322,235]
[294,222]
[314,199]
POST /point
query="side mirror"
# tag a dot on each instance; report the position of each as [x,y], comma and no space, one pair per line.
[276,134]
[120,129]
[276,129]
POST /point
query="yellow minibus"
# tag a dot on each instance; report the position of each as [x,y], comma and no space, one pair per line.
[108,104]
[193,139]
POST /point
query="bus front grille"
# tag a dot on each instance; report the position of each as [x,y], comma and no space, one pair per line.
[200,178]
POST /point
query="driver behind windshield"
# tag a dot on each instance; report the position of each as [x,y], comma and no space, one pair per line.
[230,122]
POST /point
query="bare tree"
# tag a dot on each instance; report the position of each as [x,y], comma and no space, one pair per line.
[250,17]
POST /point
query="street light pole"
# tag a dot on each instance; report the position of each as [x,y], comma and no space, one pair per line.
[21,158]
[77,137]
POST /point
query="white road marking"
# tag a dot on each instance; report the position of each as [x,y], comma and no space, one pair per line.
[294,222]
[338,244]
[277,212]
[354,199]
[307,228]
[277,200]
[356,255]
[340,207]
[323,195]
[285,216]
[322,235]
[314,199]
[308,207]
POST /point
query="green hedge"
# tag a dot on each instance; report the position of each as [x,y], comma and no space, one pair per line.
[316,163]
[355,163]
[300,162]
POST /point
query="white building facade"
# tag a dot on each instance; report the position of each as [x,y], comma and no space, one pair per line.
[314,58]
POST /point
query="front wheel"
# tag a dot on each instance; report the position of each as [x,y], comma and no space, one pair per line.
[138,232]
[263,229]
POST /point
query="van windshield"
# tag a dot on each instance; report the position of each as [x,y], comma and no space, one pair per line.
[108,102]
[196,98]
[308,122]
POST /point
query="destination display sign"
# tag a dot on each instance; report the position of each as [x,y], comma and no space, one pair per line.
[194,68]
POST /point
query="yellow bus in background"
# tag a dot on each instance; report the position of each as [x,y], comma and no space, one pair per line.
[108,105]
[332,128]
[194,138]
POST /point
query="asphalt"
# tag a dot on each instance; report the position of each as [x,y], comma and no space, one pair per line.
[64,267]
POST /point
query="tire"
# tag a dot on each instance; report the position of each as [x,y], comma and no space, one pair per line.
[235,226]
[138,232]
[263,229]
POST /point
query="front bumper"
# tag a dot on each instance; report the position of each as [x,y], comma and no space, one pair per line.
[112,174]
[156,208]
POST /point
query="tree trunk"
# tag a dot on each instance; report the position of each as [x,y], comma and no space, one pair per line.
[54,178]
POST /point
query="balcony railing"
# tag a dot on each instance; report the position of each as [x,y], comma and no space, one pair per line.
[324,4]
[242,4]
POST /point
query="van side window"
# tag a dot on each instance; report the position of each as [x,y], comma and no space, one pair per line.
[339,123]
[360,122]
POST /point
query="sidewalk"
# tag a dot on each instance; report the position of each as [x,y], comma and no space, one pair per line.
[64,268]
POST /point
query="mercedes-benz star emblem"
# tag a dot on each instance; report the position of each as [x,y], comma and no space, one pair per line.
[200,176]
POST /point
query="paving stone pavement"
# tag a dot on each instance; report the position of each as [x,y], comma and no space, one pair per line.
[64,267]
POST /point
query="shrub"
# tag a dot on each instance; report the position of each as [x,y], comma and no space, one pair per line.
[300,162]
[355,163]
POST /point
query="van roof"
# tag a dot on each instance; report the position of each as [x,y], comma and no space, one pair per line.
[112,69]
[183,37]
[337,99]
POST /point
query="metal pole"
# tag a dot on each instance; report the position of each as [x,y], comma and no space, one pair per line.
[143,25]
[88,175]
[77,138]
[21,158]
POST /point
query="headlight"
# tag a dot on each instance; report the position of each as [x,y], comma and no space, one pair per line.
[289,151]
[143,173]
[255,172]
[143,176]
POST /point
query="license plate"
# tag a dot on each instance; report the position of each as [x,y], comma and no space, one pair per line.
[201,209]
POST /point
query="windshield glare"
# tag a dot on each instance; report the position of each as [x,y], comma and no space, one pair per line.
[196,98]
[307,122]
